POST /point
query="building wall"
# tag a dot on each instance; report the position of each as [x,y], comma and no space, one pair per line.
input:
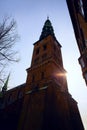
[43,102]
[78,14]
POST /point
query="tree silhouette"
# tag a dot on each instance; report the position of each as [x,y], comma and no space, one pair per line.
[8,37]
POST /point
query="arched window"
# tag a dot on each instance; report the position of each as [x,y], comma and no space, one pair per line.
[10,99]
[44,47]
[20,94]
[37,51]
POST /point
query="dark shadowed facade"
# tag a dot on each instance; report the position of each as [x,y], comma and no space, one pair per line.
[78,14]
[43,102]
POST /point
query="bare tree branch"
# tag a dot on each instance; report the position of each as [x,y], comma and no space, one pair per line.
[8,37]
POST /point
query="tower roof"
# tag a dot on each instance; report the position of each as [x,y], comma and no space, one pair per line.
[47,29]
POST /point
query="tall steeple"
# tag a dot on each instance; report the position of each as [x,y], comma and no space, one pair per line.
[47,103]
[47,29]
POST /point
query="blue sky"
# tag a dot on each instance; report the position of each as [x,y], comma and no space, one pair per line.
[30,16]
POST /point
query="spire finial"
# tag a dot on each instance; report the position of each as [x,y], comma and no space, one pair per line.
[47,17]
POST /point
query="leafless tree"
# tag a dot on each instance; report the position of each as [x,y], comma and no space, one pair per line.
[8,37]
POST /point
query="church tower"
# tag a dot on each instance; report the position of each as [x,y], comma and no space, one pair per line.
[47,103]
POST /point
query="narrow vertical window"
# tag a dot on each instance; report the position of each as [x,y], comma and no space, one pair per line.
[37,51]
[44,47]
[33,78]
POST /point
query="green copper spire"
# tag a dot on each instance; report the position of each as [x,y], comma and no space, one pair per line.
[47,29]
[4,88]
